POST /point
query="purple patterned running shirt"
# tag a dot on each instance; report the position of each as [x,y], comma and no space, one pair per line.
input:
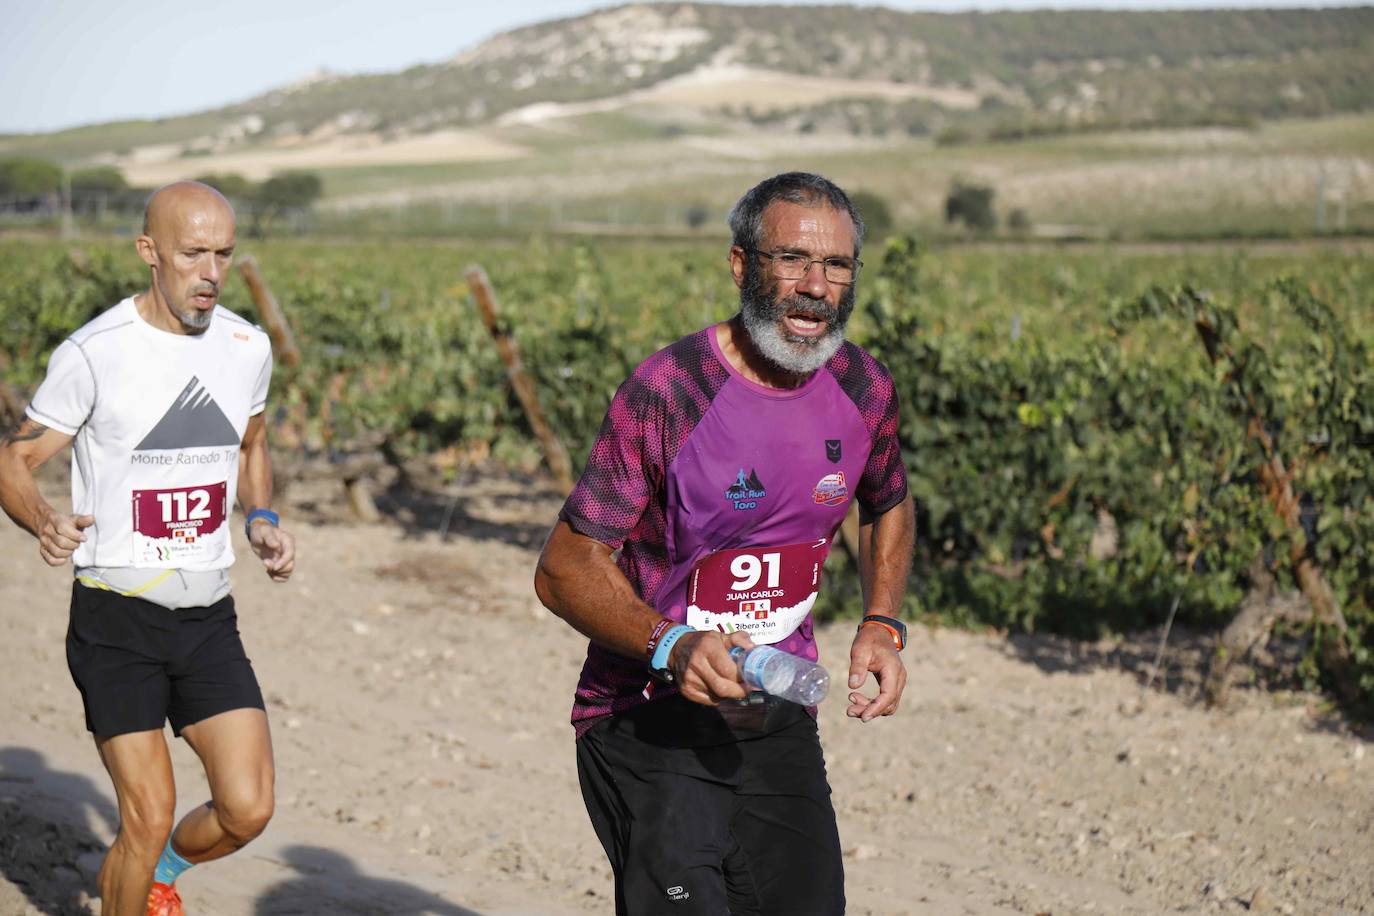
[694,459]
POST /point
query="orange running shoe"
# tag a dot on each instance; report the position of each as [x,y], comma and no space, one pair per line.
[163,900]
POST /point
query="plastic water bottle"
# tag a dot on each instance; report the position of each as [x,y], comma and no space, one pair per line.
[782,674]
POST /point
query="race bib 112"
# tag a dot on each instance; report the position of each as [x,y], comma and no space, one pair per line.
[180,526]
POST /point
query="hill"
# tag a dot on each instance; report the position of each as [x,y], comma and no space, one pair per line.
[1106,123]
[862,70]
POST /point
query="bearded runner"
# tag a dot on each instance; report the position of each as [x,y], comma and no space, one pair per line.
[724,467]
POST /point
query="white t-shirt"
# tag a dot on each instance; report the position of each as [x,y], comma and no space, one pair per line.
[158,420]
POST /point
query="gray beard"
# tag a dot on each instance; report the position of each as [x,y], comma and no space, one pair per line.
[194,319]
[191,319]
[762,315]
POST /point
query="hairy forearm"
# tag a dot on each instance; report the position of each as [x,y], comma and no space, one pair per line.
[577,580]
[886,545]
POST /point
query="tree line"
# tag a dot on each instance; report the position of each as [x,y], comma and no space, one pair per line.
[41,187]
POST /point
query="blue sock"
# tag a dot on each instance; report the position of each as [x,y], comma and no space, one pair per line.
[170,866]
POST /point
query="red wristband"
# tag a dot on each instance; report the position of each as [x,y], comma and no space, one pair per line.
[662,627]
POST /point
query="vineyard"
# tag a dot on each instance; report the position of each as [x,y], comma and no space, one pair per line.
[1098,440]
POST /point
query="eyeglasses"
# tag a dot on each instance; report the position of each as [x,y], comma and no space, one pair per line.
[788,265]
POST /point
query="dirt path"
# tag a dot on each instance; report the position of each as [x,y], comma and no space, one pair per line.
[419,698]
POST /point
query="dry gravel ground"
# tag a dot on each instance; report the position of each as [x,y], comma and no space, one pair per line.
[419,699]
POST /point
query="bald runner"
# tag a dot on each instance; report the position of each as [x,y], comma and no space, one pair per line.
[162,397]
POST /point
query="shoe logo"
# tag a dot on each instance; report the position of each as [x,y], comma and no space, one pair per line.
[676,893]
[832,450]
[193,421]
[746,492]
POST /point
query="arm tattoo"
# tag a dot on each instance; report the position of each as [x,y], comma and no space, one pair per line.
[25,430]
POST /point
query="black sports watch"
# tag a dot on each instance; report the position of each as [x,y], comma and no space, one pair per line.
[891,624]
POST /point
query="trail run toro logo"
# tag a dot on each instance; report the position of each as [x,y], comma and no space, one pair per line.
[746,492]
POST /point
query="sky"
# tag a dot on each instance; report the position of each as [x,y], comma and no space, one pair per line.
[65,63]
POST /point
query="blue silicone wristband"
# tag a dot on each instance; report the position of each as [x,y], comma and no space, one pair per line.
[268,514]
[665,645]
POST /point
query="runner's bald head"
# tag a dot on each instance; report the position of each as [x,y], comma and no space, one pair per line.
[188,243]
[181,200]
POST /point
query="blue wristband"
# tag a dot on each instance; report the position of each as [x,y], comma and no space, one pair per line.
[268,514]
[659,663]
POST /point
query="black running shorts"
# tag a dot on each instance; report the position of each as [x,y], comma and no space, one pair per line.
[699,815]
[139,665]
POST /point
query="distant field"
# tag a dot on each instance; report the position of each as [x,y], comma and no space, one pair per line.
[643,163]
[715,87]
[446,146]
[1272,180]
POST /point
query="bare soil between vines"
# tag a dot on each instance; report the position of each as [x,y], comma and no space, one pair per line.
[419,698]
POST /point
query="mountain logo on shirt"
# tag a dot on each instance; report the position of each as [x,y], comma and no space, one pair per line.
[746,492]
[194,420]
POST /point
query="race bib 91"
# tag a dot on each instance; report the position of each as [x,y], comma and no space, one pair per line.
[764,591]
[180,526]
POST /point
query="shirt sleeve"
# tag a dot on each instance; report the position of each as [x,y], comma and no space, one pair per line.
[624,470]
[260,388]
[66,397]
[883,484]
